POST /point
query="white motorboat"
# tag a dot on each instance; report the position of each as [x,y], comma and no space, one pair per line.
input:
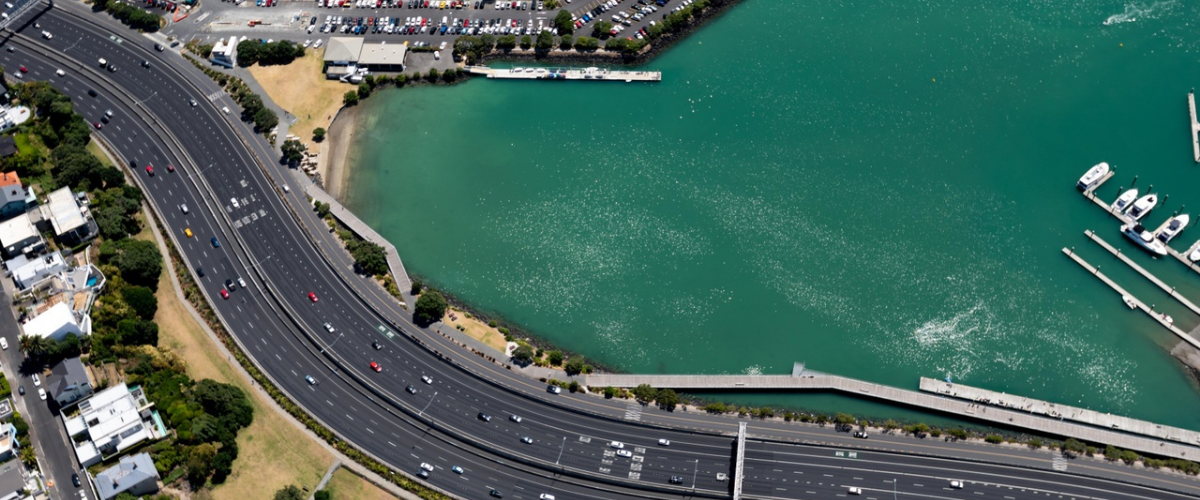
[1129,301]
[1124,200]
[1144,238]
[1172,228]
[1142,207]
[1195,255]
[1092,178]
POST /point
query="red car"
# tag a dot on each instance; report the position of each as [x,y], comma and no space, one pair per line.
[224,294]
[170,168]
[150,170]
[375,366]
[24,69]
[98,125]
[312,296]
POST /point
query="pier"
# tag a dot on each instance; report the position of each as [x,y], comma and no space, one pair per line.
[591,74]
[1195,125]
[1160,318]
[1143,437]
[1146,274]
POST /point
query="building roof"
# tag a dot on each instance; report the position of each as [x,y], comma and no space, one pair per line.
[8,178]
[65,376]
[129,472]
[11,479]
[49,322]
[223,47]
[343,49]
[112,417]
[380,54]
[16,230]
[30,270]
[65,213]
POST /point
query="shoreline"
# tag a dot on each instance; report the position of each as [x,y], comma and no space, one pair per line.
[333,169]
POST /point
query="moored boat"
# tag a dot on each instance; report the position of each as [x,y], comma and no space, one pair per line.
[1142,207]
[1144,238]
[1124,200]
[1195,255]
[1172,228]
[1129,301]
[1093,176]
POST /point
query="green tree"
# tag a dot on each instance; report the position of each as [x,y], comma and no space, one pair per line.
[526,42]
[487,42]
[555,357]
[28,457]
[293,151]
[290,492]
[575,365]
[142,300]
[432,75]
[667,399]
[323,495]
[369,257]
[845,419]
[364,90]
[585,43]
[602,29]
[350,98]
[1073,447]
[199,463]
[1129,457]
[430,308]
[416,287]
[265,120]
[565,42]
[318,136]
[564,23]
[610,392]
[33,345]
[545,41]
[506,42]
[523,354]
[139,262]
[890,425]
[644,393]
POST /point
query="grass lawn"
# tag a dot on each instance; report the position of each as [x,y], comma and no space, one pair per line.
[95,150]
[272,452]
[478,330]
[346,485]
[301,89]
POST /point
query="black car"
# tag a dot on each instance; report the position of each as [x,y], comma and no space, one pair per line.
[92,92]
[411,389]
[145,63]
[312,21]
[496,493]
[423,473]
[485,417]
[230,286]
[75,480]
[200,271]
[159,47]
[676,480]
[860,434]
[376,345]
[21,390]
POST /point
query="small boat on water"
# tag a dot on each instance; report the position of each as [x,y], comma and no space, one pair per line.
[1124,200]
[1195,255]
[1129,301]
[1173,228]
[1142,207]
[1092,178]
[1144,238]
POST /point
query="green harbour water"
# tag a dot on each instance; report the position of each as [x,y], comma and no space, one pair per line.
[880,189]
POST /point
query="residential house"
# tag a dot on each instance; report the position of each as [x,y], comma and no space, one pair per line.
[68,382]
[134,474]
[112,421]
[18,236]
[12,195]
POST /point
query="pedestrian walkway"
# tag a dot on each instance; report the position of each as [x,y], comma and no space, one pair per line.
[633,411]
[364,231]
[216,95]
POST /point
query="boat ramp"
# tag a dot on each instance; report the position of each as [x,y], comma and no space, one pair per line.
[592,74]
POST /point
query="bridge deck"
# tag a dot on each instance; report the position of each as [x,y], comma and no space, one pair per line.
[1121,438]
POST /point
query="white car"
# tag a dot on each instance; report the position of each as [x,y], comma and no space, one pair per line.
[328,327]
[103,63]
[545,496]
[184,208]
[3,343]
[426,466]
[242,283]
[37,380]
[42,394]
[60,73]
[426,379]
[617,444]
[664,442]
[854,490]
[235,203]
[624,453]
[47,35]
[956,485]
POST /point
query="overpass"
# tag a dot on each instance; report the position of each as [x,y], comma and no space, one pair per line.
[955,399]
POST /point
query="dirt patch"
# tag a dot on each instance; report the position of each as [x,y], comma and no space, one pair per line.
[302,90]
[478,330]
[346,485]
[272,452]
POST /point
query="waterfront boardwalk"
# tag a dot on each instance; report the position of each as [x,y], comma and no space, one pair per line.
[1195,125]
[365,232]
[1156,316]
[1153,279]
[1146,438]
[592,74]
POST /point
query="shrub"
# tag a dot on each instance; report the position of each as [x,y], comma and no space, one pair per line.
[993,438]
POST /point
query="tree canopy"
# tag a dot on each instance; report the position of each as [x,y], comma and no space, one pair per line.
[564,23]
[431,306]
[138,260]
[369,257]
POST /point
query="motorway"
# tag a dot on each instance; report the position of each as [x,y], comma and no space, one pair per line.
[261,240]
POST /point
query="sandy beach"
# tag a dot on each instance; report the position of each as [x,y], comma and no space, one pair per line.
[335,151]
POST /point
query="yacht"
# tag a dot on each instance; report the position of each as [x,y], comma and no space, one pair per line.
[1143,237]
[1124,200]
[1142,207]
[1092,178]
[1172,229]
[1129,301]
[1195,255]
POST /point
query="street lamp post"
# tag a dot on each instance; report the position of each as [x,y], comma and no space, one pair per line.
[431,398]
[560,450]
[694,473]
[339,337]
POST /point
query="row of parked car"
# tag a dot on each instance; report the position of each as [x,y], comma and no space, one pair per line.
[423,25]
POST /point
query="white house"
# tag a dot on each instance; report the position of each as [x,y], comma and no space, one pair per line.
[56,323]
[112,421]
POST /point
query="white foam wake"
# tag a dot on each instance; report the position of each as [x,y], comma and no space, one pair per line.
[1134,11]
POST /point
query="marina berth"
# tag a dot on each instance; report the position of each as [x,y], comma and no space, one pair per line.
[1124,200]
[1142,207]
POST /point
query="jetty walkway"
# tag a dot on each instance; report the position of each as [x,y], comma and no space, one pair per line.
[1142,437]
[1153,279]
[1195,124]
[593,74]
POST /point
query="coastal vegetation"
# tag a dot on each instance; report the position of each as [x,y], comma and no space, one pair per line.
[253,108]
[431,306]
[254,51]
[129,15]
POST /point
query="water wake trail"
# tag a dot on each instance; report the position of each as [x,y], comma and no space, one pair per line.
[1134,11]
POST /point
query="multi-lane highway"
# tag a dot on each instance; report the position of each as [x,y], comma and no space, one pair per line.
[568,451]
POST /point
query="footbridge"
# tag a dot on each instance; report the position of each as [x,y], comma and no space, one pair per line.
[963,401]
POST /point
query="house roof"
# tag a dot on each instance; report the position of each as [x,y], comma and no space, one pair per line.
[8,178]
[65,212]
[343,49]
[382,54]
[131,471]
[11,479]
[16,229]
[8,147]
[67,374]
[50,321]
